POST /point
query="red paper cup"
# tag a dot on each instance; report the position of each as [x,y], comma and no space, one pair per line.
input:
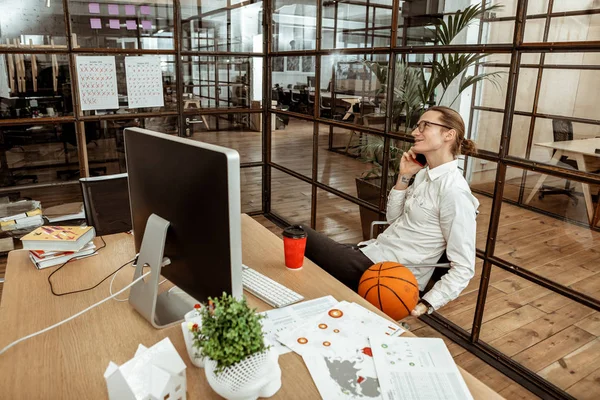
[294,244]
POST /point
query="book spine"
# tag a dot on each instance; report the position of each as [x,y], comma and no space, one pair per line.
[35,263]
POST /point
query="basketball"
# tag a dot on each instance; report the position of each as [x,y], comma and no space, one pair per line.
[391,287]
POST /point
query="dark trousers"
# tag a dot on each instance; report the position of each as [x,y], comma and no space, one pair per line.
[344,262]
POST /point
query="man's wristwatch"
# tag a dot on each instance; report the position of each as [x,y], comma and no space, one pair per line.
[430,308]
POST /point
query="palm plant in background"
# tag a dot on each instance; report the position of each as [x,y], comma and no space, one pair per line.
[413,93]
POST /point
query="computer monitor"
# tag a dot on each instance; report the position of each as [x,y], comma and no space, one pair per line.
[194,186]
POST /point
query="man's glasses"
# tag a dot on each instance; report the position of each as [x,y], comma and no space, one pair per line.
[423,124]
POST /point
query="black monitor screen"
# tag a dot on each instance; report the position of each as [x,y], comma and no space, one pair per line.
[187,185]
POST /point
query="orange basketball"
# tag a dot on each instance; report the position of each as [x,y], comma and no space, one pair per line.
[391,287]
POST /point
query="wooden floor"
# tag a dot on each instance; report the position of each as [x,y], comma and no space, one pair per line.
[549,334]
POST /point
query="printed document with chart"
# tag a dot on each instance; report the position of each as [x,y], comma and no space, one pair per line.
[417,368]
[335,348]
[281,319]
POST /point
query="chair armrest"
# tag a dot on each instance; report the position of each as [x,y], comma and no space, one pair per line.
[440,265]
[375,223]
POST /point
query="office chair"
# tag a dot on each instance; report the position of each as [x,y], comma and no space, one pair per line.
[311,104]
[325,109]
[106,203]
[299,103]
[441,267]
[562,131]
[329,110]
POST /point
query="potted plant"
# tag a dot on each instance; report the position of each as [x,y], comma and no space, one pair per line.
[412,92]
[412,95]
[237,363]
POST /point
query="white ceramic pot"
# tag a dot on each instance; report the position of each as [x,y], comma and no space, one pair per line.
[188,337]
[255,376]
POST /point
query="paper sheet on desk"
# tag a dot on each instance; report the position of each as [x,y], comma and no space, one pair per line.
[281,319]
[332,330]
[336,350]
[347,373]
[417,368]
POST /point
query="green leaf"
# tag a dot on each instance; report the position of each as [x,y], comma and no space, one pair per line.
[447,31]
[230,333]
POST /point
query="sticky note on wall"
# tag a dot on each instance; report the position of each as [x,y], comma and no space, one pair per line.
[113,9]
[94,8]
[131,25]
[129,10]
[147,25]
[95,23]
[114,24]
[145,10]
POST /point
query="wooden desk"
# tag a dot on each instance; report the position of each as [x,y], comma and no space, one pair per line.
[583,152]
[349,99]
[69,361]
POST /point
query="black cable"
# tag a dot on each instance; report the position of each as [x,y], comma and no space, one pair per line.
[76,258]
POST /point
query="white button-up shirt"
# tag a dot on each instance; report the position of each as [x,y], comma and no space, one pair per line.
[434,214]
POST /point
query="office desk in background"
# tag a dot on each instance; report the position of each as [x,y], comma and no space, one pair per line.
[347,100]
[583,152]
[69,361]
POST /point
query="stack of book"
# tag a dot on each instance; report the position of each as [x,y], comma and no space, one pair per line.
[64,212]
[54,245]
[20,215]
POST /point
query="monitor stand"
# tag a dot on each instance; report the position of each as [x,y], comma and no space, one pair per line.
[165,309]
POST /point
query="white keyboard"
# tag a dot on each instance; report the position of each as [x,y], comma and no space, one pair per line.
[268,290]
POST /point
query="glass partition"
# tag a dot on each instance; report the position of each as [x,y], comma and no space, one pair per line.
[26,24]
[563,128]
[147,25]
[38,154]
[349,161]
[353,89]
[293,80]
[570,21]
[527,319]
[358,24]
[222,82]
[35,86]
[338,217]
[251,189]
[464,54]
[208,25]
[291,198]
[292,144]
[169,87]
[294,25]
[238,131]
